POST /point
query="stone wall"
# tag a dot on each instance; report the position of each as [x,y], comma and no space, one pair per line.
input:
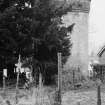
[79,53]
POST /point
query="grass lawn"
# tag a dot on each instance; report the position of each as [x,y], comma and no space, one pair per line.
[73,97]
[83,96]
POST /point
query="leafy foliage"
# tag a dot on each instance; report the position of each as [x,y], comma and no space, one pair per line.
[33,28]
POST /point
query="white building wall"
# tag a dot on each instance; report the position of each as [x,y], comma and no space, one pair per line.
[79,53]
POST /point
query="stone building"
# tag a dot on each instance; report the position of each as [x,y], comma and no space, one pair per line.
[79,36]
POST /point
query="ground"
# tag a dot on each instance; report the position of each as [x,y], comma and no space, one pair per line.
[84,96]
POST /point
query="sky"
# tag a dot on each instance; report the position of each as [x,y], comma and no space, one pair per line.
[96,25]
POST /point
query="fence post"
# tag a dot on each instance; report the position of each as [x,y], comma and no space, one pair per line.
[99,93]
[4,76]
[3,83]
[59,78]
[17,82]
[17,87]
[73,77]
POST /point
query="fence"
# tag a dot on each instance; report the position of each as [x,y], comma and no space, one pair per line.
[36,95]
[99,72]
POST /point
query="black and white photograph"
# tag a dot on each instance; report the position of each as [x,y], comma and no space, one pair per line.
[52,52]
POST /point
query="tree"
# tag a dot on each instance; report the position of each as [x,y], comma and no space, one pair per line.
[24,23]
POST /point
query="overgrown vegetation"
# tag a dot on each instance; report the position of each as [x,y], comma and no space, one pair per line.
[32,28]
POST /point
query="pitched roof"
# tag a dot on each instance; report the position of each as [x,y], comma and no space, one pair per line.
[101,51]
